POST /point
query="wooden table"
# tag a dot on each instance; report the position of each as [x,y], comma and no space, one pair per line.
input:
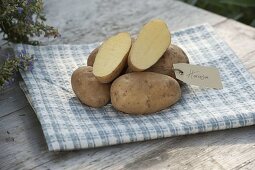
[22,144]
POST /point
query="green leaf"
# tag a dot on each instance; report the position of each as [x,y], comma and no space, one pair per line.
[192,2]
[237,16]
[243,3]
[253,23]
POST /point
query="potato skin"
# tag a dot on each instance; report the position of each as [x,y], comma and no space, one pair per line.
[163,65]
[179,55]
[174,54]
[88,89]
[144,92]
[92,57]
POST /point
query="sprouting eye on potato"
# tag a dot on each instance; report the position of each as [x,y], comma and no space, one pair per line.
[136,75]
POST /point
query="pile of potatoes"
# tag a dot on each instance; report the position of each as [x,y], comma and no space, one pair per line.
[136,75]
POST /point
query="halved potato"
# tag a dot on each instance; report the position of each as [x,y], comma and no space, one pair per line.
[151,43]
[92,57]
[112,57]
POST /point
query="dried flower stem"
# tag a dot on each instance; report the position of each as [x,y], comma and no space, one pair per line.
[20,20]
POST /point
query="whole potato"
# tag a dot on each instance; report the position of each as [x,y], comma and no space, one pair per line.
[179,55]
[128,70]
[144,92]
[164,65]
[88,89]
[172,55]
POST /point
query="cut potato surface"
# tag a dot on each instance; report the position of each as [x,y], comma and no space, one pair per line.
[151,43]
[92,55]
[111,57]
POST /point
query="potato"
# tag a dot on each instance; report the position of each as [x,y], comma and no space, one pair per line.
[144,92]
[88,89]
[151,43]
[172,55]
[112,57]
[92,56]
[128,70]
[178,55]
[164,65]
[91,60]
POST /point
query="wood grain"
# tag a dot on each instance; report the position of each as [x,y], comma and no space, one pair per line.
[22,143]
[12,100]
[93,21]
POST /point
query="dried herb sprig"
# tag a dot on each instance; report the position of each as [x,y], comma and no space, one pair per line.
[11,66]
[20,21]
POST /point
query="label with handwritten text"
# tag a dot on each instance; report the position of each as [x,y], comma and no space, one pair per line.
[198,75]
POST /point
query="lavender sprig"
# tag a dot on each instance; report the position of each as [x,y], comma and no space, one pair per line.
[23,19]
[11,66]
[20,20]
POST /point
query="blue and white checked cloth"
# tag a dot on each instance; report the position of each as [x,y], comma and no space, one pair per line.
[67,124]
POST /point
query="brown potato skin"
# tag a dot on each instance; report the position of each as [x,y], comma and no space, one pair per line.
[128,70]
[163,65]
[174,54]
[179,54]
[144,92]
[92,57]
[88,89]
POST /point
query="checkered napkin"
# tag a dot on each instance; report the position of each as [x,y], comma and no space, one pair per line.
[67,124]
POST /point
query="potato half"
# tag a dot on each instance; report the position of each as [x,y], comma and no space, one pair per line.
[92,57]
[151,43]
[112,57]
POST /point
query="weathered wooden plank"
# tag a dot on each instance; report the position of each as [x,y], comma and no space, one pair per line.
[218,150]
[28,150]
[24,147]
[93,21]
[240,38]
[12,100]
[250,164]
